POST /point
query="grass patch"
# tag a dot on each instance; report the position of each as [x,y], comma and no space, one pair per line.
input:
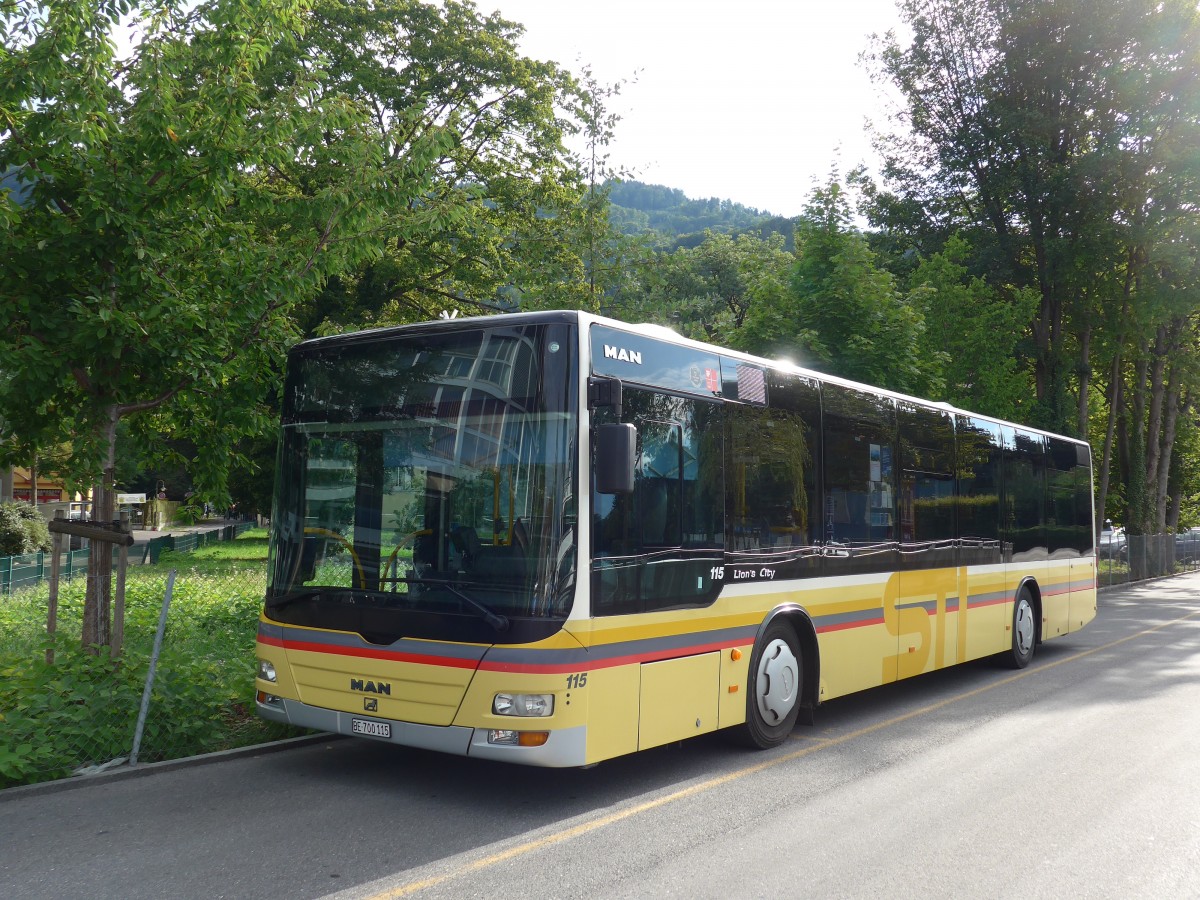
[82,710]
[252,546]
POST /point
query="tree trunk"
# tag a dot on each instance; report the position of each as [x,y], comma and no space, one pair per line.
[1134,466]
[1154,422]
[98,598]
[1165,454]
[1114,403]
[1085,372]
[1174,488]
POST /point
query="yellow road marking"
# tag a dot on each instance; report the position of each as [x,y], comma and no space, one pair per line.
[817,745]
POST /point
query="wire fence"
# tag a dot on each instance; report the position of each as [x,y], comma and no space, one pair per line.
[79,714]
[1136,557]
[28,570]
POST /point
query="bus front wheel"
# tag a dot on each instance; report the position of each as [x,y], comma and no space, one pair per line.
[776,679]
[1024,630]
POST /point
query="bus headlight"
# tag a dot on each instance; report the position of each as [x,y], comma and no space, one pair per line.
[535,705]
[266,671]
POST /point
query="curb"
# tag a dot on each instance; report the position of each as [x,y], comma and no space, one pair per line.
[167,765]
[1112,586]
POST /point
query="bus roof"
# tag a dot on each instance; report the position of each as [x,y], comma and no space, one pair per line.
[650,330]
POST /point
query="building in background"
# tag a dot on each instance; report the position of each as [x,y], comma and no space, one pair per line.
[50,487]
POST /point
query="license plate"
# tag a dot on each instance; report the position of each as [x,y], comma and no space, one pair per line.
[371,729]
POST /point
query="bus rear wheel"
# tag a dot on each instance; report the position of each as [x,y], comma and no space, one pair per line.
[1024,631]
[776,679]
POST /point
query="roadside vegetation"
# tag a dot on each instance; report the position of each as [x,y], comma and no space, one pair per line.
[22,529]
[81,710]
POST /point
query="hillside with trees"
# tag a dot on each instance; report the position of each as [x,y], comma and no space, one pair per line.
[672,219]
[669,219]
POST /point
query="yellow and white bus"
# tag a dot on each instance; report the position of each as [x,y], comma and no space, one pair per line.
[553,538]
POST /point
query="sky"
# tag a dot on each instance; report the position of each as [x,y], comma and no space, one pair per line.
[754,101]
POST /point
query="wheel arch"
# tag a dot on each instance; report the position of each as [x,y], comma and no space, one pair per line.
[1030,584]
[801,623]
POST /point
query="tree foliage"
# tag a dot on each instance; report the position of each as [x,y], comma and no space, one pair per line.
[163,242]
[473,134]
[174,210]
[844,312]
[1060,137]
[976,330]
[706,292]
[22,529]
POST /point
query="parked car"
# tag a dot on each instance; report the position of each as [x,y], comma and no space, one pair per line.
[1112,543]
[1187,546]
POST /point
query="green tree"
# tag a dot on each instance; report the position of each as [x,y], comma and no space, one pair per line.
[1060,136]
[172,214]
[706,292]
[1020,125]
[683,222]
[976,330]
[844,312]
[474,134]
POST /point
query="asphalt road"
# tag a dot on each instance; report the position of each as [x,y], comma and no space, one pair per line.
[1076,777]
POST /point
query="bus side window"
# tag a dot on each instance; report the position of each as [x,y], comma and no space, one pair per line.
[771,481]
[928,534]
[1024,496]
[659,546]
[860,480]
[980,445]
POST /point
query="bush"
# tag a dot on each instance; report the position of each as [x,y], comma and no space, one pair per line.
[22,529]
[190,513]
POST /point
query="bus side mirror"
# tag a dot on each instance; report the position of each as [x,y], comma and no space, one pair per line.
[615,451]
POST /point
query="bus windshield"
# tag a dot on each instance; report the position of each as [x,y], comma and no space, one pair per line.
[426,485]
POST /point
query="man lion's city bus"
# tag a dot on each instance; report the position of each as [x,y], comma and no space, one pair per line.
[553,538]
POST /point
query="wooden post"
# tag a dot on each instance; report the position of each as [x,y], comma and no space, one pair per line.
[103,537]
[118,629]
[52,609]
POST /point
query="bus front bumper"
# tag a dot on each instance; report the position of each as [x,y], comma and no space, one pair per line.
[564,748]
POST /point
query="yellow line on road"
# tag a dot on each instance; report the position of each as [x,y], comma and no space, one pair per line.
[704,786]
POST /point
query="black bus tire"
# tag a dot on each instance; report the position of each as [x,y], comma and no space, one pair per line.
[776,678]
[1024,631]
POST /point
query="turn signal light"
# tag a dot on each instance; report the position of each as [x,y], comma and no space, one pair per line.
[518,738]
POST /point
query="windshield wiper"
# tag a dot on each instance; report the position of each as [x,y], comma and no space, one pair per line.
[497,621]
[281,602]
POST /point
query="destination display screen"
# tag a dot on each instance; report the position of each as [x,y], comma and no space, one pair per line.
[640,359]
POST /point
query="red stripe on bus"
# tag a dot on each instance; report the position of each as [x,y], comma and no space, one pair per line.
[607,662]
[976,604]
[497,665]
[845,626]
[369,653]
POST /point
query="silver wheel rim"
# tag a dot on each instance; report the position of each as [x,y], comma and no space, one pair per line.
[1023,626]
[778,681]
